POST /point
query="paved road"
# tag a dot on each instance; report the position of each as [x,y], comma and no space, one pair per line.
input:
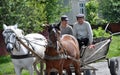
[103,68]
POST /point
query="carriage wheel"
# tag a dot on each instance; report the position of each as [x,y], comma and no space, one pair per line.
[114,66]
[87,72]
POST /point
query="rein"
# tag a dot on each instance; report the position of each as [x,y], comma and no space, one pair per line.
[35,42]
[20,56]
[40,57]
[18,49]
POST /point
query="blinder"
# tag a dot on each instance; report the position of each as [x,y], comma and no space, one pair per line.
[9,36]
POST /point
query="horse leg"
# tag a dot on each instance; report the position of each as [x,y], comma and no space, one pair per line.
[77,68]
[68,71]
[47,71]
[60,71]
[31,70]
[18,71]
[36,68]
[41,68]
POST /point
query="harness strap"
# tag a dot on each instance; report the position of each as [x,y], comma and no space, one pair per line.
[64,49]
[58,57]
[21,56]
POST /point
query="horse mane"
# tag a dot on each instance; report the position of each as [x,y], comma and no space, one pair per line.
[18,32]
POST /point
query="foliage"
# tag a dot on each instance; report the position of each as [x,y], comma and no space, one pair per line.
[54,8]
[92,13]
[4,59]
[100,33]
[114,49]
[7,67]
[110,9]
[29,14]
[102,11]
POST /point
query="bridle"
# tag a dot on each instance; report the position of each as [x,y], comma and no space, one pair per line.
[10,34]
[53,38]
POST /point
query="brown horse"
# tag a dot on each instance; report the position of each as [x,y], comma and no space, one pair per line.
[61,52]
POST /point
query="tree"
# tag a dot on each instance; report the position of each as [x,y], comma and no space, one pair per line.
[54,9]
[110,9]
[29,14]
[92,13]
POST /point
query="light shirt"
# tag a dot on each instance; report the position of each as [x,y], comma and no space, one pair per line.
[83,31]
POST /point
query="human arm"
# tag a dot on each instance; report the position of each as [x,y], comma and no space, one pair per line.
[74,31]
[90,36]
[71,30]
[90,33]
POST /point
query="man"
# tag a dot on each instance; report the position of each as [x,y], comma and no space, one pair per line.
[83,31]
[65,28]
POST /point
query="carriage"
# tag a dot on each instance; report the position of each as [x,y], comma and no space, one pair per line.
[89,56]
[98,53]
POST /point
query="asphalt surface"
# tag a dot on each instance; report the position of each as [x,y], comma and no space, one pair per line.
[103,67]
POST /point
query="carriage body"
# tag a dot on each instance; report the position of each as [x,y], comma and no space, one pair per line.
[99,52]
[92,55]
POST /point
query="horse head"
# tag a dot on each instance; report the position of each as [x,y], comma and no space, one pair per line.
[9,35]
[54,36]
[54,33]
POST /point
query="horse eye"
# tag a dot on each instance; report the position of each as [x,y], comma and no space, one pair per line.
[14,35]
[3,35]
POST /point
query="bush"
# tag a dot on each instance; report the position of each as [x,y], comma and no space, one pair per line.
[100,33]
[4,59]
[92,13]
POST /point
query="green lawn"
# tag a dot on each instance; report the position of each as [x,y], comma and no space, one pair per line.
[7,68]
[114,47]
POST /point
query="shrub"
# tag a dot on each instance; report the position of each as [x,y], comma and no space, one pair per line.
[100,33]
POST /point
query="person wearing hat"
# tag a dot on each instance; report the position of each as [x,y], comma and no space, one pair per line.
[64,27]
[83,31]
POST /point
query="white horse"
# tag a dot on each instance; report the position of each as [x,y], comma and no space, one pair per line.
[21,56]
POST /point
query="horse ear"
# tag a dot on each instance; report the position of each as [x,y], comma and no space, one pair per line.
[15,26]
[4,26]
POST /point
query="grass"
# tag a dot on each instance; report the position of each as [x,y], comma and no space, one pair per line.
[7,68]
[114,49]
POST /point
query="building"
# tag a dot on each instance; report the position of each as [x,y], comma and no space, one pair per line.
[76,7]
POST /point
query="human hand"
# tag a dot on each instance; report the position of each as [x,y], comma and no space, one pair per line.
[91,46]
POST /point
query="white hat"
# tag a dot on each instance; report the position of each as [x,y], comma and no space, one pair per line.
[80,16]
[64,17]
